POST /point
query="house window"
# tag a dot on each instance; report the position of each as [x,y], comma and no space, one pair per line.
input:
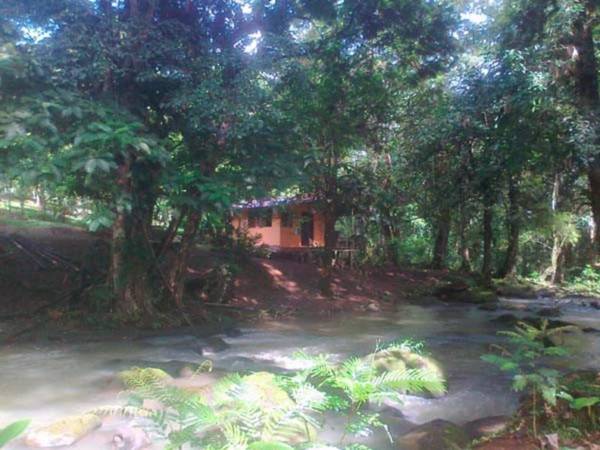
[287,219]
[260,218]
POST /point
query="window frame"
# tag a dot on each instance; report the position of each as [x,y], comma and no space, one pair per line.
[260,218]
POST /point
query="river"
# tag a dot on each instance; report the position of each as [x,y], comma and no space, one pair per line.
[45,381]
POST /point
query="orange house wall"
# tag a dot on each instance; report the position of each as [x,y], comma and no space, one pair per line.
[279,236]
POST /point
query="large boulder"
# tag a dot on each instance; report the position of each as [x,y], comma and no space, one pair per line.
[63,432]
[435,435]
[399,358]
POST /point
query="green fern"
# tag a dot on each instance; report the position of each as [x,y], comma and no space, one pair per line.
[277,410]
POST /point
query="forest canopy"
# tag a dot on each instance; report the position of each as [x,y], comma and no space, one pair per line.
[440,133]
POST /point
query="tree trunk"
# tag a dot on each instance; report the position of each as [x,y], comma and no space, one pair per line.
[585,72]
[440,249]
[556,272]
[170,234]
[514,228]
[331,237]
[556,259]
[176,277]
[594,180]
[486,269]
[463,246]
[131,263]
[41,198]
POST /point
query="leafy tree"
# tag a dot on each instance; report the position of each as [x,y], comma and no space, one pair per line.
[358,59]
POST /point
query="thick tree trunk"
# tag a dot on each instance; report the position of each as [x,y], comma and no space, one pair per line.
[130,271]
[176,276]
[486,269]
[509,267]
[440,248]
[131,263]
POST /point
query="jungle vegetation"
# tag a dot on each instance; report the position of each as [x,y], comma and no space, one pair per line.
[457,134]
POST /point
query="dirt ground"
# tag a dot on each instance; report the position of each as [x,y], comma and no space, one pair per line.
[263,288]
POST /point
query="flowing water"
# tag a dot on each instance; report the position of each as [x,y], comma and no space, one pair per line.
[43,382]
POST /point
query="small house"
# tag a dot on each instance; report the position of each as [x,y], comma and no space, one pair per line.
[292,222]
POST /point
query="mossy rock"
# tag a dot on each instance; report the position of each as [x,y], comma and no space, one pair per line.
[515,290]
[474,295]
[262,390]
[137,377]
[266,393]
[464,290]
[402,358]
[63,432]
[438,434]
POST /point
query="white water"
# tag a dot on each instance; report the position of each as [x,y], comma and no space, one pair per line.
[46,382]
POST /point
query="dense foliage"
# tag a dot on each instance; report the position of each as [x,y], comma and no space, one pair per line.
[452,134]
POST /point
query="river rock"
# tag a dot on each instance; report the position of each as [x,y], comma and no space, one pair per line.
[262,390]
[506,319]
[131,438]
[136,376]
[373,307]
[63,432]
[216,344]
[435,435]
[486,426]
[549,312]
[401,358]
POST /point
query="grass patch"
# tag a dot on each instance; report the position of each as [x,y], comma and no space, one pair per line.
[30,217]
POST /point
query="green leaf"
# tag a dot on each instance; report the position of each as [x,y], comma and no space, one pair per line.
[12,431]
[584,402]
